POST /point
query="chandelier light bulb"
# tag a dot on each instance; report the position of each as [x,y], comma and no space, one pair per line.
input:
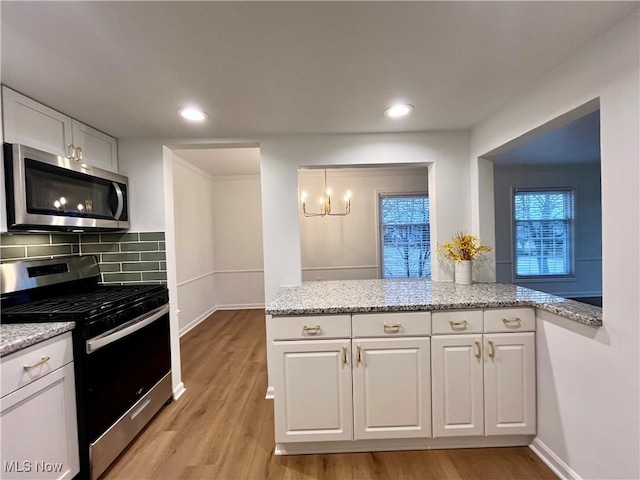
[63,201]
[80,207]
[57,204]
[303,197]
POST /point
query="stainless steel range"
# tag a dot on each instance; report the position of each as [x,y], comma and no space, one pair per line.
[122,351]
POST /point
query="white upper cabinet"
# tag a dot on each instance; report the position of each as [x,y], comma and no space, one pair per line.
[35,125]
[97,148]
[30,123]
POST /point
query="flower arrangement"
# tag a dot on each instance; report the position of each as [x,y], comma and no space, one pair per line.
[463,247]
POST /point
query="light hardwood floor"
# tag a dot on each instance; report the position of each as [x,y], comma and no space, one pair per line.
[222,427]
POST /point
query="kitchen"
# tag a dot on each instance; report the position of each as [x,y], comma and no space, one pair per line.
[605,69]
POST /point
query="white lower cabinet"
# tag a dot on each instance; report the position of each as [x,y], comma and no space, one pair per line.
[380,381]
[510,384]
[38,416]
[312,383]
[484,384]
[391,388]
[457,379]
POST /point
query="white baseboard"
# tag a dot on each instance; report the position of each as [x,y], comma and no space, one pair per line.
[397,444]
[269,394]
[178,391]
[244,306]
[194,323]
[552,461]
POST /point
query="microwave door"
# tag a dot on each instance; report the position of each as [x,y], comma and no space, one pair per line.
[49,194]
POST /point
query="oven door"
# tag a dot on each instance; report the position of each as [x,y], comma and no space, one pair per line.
[48,192]
[123,365]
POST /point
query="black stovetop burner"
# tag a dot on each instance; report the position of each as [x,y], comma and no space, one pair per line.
[95,308]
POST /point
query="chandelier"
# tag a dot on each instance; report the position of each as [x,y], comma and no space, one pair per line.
[325,203]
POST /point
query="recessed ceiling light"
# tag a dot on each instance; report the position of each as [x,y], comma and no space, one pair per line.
[192,114]
[399,110]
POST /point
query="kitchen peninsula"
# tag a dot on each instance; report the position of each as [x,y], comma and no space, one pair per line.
[368,365]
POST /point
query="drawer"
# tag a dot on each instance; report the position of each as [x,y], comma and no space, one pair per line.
[510,320]
[14,367]
[310,326]
[456,321]
[397,324]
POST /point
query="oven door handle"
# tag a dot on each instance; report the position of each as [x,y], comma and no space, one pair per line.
[140,322]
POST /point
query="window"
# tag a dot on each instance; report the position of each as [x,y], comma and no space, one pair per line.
[543,233]
[404,236]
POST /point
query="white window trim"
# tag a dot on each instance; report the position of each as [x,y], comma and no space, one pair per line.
[570,277]
[376,202]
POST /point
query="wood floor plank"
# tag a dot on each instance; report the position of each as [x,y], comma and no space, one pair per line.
[222,427]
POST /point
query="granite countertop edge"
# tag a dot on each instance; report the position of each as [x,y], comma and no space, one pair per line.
[301,303]
[18,336]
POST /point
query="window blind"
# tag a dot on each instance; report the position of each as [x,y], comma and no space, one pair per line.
[405,236]
[543,237]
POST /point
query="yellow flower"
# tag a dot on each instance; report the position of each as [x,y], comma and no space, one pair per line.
[463,247]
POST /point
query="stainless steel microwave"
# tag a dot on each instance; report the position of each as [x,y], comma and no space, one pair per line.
[46,192]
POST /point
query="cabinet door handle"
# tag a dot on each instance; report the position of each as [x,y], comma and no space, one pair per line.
[78,154]
[392,327]
[311,330]
[34,365]
[71,151]
[478,350]
[358,354]
[515,321]
[463,323]
[344,355]
[492,349]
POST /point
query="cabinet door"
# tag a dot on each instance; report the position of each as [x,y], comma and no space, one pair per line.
[98,149]
[39,429]
[312,397]
[456,369]
[391,388]
[33,124]
[510,384]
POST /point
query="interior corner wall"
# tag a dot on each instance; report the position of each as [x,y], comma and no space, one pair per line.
[589,378]
[281,156]
[584,180]
[194,232]
[346,248]
[237,241]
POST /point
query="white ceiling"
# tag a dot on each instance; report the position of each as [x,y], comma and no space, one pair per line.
[220,162]
[575,142]
[288,67]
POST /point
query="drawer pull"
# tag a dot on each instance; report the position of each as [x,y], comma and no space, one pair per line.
[344,355]
[492,350]
[463,324]
[515,322]
[34,365]
[313,330]
[358,354]
[478,350]
[392,327]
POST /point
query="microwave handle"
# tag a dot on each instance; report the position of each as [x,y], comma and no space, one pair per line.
[120,196]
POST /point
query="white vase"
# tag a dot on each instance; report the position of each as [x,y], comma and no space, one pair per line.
[463,272]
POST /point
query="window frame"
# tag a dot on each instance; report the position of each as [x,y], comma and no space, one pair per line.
[379,241]
[572,229]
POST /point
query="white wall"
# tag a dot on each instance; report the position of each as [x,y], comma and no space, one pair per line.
[585,181]
[237,241]
[281,156]
[194,239]
[218,234]
[344,248]
[588,379]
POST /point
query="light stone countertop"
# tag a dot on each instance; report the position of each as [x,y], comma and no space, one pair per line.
[16,336]
[396,295]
